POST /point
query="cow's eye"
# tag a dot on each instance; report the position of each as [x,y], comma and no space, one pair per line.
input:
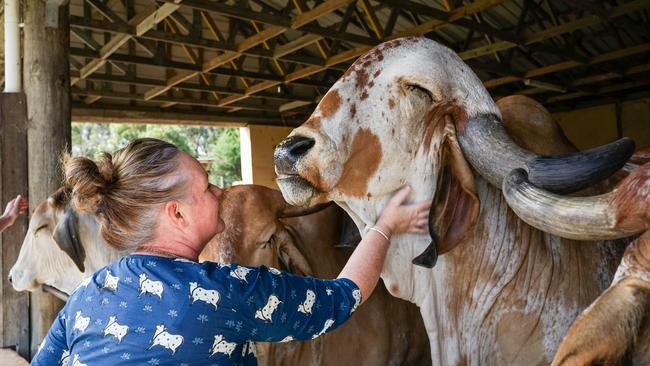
[39,228]
[269,242]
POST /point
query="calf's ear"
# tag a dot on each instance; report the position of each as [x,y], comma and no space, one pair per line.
[290,256]
[66,236]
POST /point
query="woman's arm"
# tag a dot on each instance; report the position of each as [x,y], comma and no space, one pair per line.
[365,264]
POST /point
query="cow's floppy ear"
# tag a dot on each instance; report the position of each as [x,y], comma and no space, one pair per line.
[455,205]
[66,236]
[290,256]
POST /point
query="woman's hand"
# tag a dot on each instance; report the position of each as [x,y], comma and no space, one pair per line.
[399,218]
[15,207]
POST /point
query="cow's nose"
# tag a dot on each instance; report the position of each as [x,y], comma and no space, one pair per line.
[289,151]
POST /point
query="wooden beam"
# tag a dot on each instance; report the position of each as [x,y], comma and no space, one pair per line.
[372,18]
[358,51]
[296,44]
[141,22]
[566,27]
[161,99]
[106,11]
[270,32]
[562,66]
[126,114]
[89,41]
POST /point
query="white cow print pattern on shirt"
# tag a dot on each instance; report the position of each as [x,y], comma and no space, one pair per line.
[210,297]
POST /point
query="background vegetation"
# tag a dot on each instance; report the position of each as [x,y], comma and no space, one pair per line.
[220,145]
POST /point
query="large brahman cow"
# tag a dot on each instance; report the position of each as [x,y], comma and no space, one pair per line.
[410,111]
[260,231]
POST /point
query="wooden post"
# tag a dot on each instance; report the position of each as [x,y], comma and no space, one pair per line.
[46,75]
[14,313]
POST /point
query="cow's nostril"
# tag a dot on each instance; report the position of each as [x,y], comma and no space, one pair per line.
[299,145]
[9,278]
[289,151]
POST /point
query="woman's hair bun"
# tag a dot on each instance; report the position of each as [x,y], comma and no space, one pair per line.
[89,181]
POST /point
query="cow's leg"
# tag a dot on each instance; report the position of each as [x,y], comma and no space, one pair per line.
[616,324]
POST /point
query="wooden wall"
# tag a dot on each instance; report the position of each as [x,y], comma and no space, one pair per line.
[589,127]
[263,140]
[14,311]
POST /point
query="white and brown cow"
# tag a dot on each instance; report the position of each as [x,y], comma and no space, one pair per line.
[410,111]
[261,229]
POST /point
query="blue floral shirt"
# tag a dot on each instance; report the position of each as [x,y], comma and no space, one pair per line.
[150,310]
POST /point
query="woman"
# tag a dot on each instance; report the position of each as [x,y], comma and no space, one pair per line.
[158,305]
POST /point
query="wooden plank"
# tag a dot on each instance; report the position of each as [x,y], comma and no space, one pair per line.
[126,114]
[14,312]
[151,20]
[143,22]
[296,44]
[320,10]
[561,66]
[358,51]
[372,18]
[252,41]
[565,27]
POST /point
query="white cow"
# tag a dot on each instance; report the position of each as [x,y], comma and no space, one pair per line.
[199,293]
[115,329]
[110,282]
[150,286]
[267,311]
[80,322]
[65,358]
[221,346]
[76,362]
[310,298]
[240,273]
[61,248]
[163,338]
[328,324]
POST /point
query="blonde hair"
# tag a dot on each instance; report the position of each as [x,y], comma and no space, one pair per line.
[126,190]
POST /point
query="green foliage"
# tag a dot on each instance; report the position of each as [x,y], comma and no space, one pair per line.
[219,145]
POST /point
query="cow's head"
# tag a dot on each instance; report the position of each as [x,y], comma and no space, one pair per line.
[262,229]
[410,111]
[254,234]
[61,248]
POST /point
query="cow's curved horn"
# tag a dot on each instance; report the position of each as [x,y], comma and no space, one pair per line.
[295,211]
[490,150]
[580,218]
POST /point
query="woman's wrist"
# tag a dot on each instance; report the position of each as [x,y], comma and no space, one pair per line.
[384,228]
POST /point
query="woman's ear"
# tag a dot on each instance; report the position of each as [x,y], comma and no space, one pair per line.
[174,213]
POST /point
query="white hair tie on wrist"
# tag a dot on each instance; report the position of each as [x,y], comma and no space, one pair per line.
[380,233]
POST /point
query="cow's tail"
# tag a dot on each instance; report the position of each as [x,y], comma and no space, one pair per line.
[613,330]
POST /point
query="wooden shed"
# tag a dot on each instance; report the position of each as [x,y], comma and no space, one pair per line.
[263,65]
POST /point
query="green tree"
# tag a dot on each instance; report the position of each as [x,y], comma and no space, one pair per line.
[219,145]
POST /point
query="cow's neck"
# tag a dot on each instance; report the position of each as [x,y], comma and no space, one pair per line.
[505,274]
